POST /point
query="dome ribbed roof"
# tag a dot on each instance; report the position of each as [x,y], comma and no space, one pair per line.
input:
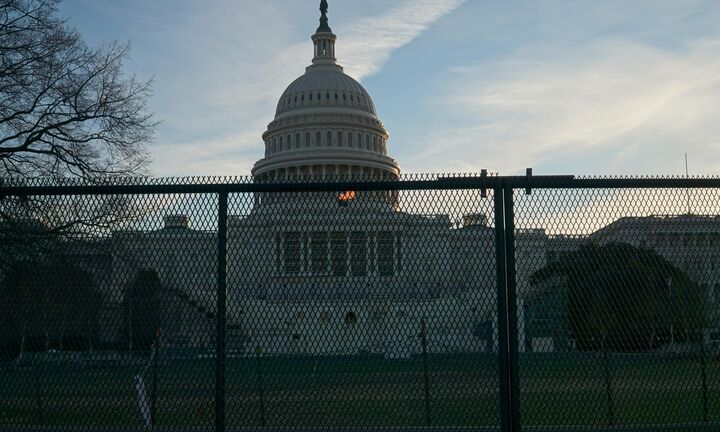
[325,86]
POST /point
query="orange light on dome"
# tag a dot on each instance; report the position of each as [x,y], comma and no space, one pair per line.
[347,196]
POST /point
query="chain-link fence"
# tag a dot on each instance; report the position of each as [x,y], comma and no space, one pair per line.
[433,302]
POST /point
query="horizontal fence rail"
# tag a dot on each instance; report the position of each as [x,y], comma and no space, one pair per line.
[433,302]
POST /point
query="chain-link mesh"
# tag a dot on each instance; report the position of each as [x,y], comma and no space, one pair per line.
[360,304]
[350,308]
[618,293]
[361,309]
[107,314]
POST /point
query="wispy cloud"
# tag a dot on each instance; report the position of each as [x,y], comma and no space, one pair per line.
[612,106]
[369,42]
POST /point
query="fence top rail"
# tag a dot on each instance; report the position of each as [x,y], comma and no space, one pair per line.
[430,182]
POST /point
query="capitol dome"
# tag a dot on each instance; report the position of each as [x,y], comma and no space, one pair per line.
[325,87]
[325,124]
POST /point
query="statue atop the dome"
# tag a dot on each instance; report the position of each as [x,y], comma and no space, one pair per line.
[324,7]
[324,27]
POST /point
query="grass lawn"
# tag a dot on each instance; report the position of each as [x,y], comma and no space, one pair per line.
[369,391]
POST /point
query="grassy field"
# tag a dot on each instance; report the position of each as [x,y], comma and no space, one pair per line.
[369,392]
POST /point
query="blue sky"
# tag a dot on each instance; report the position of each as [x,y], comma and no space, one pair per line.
[573,86]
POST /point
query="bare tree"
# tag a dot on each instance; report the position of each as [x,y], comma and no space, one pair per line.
[66,109]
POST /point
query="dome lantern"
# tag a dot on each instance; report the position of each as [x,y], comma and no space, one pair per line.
[324,40]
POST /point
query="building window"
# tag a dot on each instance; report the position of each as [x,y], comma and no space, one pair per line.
[297,141]
[318,252]
[359,141]
[291,252]
[350,318]
[375,147]
[324,317]
[398,253]
[281,143]
[310,95]
[278,252]
[274,145]
[340,139]
[329,139]
[307,139]
[386,253]
[350,144]
[318,139]
[338,253]
[358,253]
[367,142]
[289,141]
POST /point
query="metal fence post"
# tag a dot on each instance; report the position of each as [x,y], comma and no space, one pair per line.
[426,372]
[507,309]
[261,392]
[501,273]
[221,309]
[512,307]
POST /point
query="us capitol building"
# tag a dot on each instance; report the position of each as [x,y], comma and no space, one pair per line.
[325,273]
[328,273]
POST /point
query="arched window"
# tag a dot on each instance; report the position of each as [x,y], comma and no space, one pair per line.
[295,98]
[359,141]
[375,148]
[324,317]
[367,142]
[329,139]
[327,95]
[307,139]
[318,139]
[297,141]
[281,144]
[350,144]
[289,142]
[274,146]
[340,139]
[344,97]
[350,318]
[336,96]
[311,95]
